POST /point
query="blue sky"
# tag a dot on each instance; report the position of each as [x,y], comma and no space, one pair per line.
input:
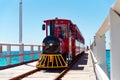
[89,15]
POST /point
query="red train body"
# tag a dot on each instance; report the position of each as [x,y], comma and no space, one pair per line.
[70,38]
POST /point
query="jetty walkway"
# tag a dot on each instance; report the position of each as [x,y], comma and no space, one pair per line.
[83,69]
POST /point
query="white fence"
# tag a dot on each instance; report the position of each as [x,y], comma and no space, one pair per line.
[100,74]
[20,51]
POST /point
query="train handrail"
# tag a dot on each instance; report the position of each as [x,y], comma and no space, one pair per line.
[98,70]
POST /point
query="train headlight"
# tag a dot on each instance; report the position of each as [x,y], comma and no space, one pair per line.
[51,44]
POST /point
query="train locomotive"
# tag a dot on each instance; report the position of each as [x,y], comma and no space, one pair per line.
[63,42]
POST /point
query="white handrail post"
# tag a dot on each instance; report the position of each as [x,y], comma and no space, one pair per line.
[9,54]
[100,52]
[38,50]
[0,49]
[21,48]
[32,51]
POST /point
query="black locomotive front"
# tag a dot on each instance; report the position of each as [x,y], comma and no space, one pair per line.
[51,45]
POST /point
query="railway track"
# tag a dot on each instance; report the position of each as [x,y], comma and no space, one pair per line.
[45,74]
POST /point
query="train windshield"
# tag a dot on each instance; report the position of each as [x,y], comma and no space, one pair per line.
[62,31]
[58,30]
[50,28]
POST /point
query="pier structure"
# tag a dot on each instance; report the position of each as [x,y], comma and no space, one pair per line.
[111,23]
[83,69]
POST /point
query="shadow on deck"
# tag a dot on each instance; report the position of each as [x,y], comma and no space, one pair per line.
[82,61]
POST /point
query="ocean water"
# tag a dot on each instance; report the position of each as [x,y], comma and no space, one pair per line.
[108,61]
[16,59]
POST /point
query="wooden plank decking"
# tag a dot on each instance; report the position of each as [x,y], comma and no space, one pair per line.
[82,70]
[9,73]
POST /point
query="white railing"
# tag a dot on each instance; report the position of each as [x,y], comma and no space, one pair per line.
[20,49]
[98,70]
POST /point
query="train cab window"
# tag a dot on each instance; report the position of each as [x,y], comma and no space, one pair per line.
[71,30]
[48,30]
[62,32]
[72,34]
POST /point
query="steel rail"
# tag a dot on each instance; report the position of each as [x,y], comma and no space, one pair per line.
[19,77]
[67,69]
[58,77]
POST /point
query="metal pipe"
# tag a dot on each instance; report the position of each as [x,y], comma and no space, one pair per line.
[20,21]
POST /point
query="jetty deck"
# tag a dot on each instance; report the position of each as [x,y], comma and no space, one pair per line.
[82,70]
[9,73]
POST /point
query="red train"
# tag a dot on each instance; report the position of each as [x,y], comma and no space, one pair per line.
[62,43]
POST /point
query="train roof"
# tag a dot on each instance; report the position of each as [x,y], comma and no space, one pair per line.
[81,38]
[57,19]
